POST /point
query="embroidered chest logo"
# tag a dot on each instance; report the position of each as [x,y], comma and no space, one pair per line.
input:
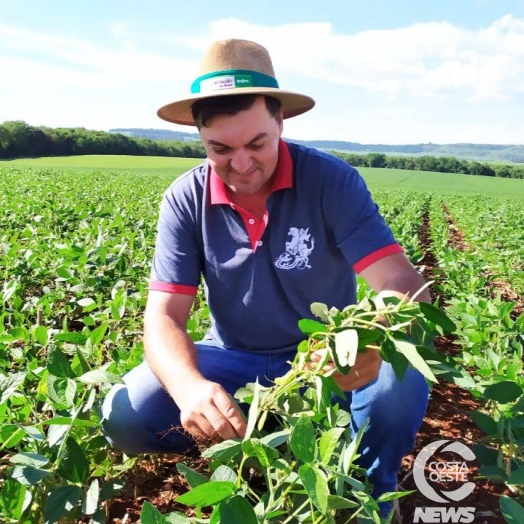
[298,250]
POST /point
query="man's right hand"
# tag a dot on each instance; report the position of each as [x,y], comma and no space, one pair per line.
[207,411]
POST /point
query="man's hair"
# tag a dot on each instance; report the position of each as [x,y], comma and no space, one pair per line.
[205,109]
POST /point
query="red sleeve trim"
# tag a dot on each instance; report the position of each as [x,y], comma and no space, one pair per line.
[155,285]
[377,255]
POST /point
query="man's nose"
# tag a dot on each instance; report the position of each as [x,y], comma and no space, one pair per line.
[241,161]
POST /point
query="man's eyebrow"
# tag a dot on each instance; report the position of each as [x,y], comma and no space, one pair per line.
[217,143]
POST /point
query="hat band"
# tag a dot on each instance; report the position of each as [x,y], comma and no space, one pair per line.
[232,79]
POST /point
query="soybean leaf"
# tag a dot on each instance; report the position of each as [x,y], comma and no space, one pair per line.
[28,475]
[398,361]
[72,337]
[328,443]
[100,376]
[302,440]
[516,477]
[513,512]
[255,448]
[346,348]
[207,494]
[409,350]
[29,459]
[61,390]
[337,502]
[60,502]
[59,365]
[11,435]
[13,498]
[309,326]
[315,483]
[41,335]
[73,465]
[223,450]
[503,392]
[9,384]
[150,515]
[237,509]
[97,335]
[484,422]
[437,316]
[111,488]
[320,310]
[273,440]
[90,502]
[192,477]
[224,473]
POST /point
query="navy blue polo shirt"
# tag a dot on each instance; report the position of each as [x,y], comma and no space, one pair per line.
[321,227]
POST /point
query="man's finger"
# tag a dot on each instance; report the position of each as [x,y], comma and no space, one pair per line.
[231,413]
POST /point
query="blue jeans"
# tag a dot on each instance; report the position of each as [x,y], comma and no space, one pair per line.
[139,416]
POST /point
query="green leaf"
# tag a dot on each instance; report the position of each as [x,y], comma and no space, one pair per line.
[11,435]
[437,316]
[309,326]
[192,477]
[223,450]
[61,390]
[224,472]
[97,335]
[513,512]
[328,443]
[90,502]
[71,337]
[337,502]
[150,515]
[302,440]
[398,362]
[503,392]
[9,384]
[59,365]
[29,459]
[320,310]
[409,350]
[516,477]
[100,376]
[253,410]
[273,440]
[255,448]
[41,335]
[60,502]
[315,483]
[13,498]
[73,465]
[28,475]
[207,494]
[237,510]
[111,488]
[484,422]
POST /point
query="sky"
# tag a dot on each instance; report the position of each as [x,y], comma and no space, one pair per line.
[380,71]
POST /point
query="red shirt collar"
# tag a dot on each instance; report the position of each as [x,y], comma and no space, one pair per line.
[282,179]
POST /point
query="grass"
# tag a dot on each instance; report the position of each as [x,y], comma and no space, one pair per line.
[376,178]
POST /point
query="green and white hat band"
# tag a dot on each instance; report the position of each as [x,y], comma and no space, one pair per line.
[232,79]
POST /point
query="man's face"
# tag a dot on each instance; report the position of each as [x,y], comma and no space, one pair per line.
[243,148]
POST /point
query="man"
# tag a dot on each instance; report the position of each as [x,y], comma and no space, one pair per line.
[272,227]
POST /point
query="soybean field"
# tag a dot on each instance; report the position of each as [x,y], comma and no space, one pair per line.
[76,242]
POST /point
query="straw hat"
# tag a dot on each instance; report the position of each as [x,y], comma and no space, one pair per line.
[232,67]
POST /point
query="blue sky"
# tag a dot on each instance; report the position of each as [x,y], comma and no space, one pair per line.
[394,72]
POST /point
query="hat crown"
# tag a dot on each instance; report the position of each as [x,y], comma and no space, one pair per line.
[233,54]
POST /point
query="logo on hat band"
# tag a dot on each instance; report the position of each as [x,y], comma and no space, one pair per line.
[229,79]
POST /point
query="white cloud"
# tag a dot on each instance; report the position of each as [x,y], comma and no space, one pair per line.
[424,60]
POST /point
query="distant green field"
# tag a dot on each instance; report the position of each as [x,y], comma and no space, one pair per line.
[379,178]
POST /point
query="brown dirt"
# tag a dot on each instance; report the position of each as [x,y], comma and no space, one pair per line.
[157,481]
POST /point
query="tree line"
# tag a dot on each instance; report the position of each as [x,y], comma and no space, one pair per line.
[20,140]
[432,163]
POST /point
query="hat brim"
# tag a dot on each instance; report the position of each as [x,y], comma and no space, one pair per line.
[293,104]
